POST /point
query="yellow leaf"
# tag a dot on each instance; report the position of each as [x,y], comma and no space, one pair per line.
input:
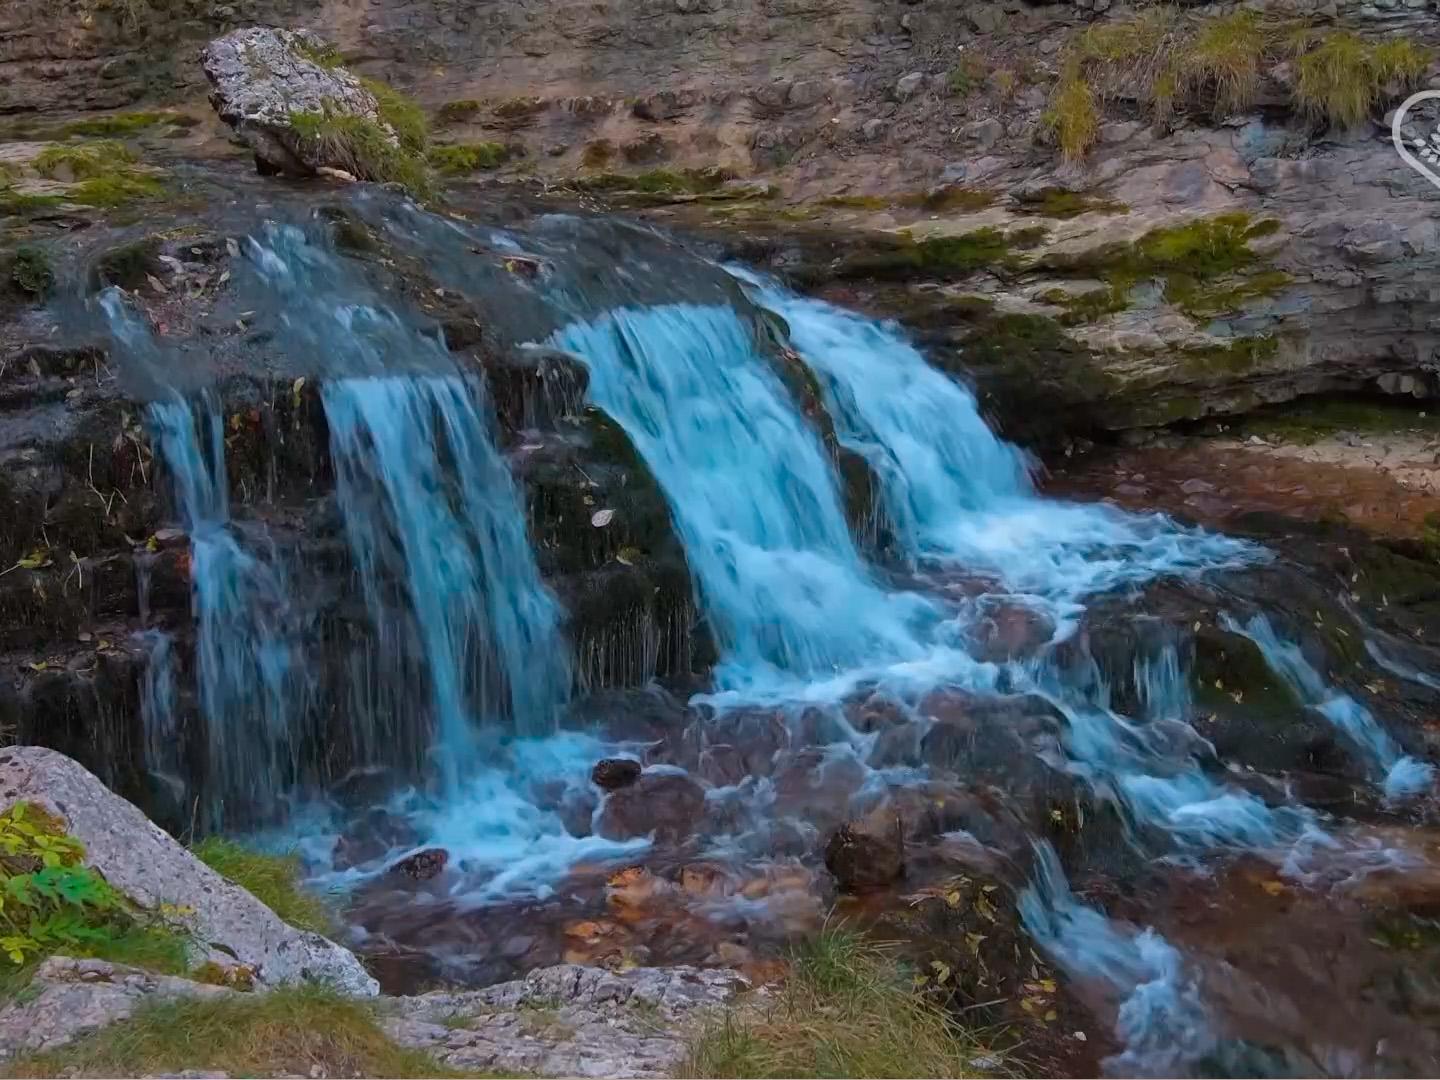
[952,899]
[942,970]
[1048,985]
[1051,1016]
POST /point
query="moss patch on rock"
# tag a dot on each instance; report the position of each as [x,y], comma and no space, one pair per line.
[460,159]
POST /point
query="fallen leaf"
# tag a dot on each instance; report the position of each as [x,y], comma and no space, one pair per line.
[601,518]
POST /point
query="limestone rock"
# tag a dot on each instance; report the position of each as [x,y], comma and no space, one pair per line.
[664,804]
[565,1021]
[69,997]
[260,76]
[867,853]
[144,862]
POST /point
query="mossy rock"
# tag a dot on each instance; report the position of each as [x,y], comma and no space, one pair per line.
[127,265]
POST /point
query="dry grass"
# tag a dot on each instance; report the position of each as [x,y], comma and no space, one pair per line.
[1163,63]
[846,1009]
[302,1031]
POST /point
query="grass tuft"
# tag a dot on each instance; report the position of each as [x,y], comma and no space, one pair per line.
[1073,117]
[455,111]
[848,1009]
[1342,79]
[299,1031]
[121,124]
[273,879]
[363,148]
[404,115]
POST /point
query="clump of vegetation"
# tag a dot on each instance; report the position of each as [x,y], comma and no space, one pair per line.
[288,1031]
[452,112]
[1307,422]
[1342,78]
[660,181]
[14,202]
[362,147]
[1165,62]
[1236,358]
[951,197]
[324,54]
[1091,305]
[116,189]
[1061,203]
[85,160]
[28,271]
[404,115]
[457,159]
[847,1008]
[121,124]
[517,108]
[53,902]
[968,75]
[945,256]
[856,202]
[273,879]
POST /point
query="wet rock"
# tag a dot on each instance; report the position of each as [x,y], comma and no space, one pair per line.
[868,853]
[144,863]
[423,865]
[261,76]
[615,773]
[663,804]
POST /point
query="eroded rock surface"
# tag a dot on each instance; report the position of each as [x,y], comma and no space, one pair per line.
[142,861]
[566,1021]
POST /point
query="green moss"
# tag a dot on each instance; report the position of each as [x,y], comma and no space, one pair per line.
[1089,306]
[362,148]
[14,202]
[1203,302]
[274,880]
[971,307]
[518,107]
[453,112]
[116,189]
[324,54]
[28,270]
[1063,203]
[1007,335]
[1307,422]
[659,181]
[121,124]
[88,160]
[457,159]
[1240,356]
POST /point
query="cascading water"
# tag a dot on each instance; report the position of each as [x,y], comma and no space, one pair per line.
[1403,776]
[485,625]
[755,499]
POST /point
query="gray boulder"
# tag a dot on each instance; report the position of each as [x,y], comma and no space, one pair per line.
[146,864]
[261,76]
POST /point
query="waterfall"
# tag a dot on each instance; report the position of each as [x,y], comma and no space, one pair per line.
[959,494]
[754,497]
[253,681]
[1402,775]
[428,501]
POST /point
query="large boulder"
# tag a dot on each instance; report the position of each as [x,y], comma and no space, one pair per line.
[262,77]
[141,860]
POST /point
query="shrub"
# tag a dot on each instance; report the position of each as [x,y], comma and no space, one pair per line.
[53,902]
[455,111]
[403,114]
[274,880]
[847,1008]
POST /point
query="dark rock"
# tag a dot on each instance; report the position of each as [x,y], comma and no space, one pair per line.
[868,853]
[423,865]
[615,773]
[665,805]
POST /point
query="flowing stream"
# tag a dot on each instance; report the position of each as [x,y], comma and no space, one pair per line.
[460,679]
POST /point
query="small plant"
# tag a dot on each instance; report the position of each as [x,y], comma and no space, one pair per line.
[361,147]
[403,114]
[274,880]
[1073,117]
[323,54]
[49,901]
[967,75]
